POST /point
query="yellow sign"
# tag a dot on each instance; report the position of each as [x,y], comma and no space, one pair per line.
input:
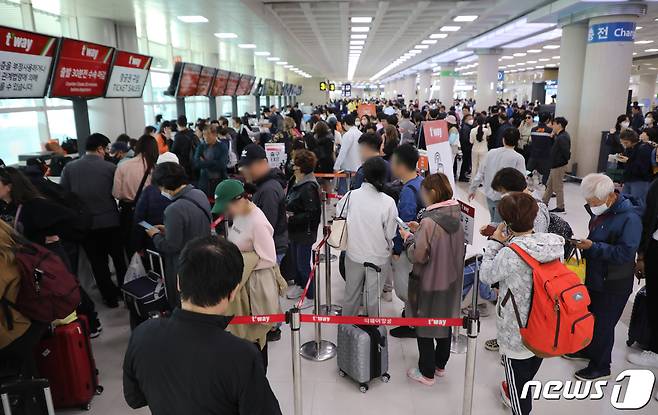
[323,86]
[332,87]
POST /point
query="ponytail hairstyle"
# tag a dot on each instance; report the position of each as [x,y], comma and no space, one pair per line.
[480,132]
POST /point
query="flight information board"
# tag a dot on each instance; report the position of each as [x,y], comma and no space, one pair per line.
[81,69]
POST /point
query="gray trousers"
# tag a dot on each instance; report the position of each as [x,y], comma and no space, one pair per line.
[355,279]
[401,269]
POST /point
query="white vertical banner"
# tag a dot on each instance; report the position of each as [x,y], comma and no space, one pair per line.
[439,152]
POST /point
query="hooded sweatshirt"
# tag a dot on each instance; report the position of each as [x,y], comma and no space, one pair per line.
[501,264]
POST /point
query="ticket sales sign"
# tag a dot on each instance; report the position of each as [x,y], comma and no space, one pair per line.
[25,62]
[81,70]
[128,77]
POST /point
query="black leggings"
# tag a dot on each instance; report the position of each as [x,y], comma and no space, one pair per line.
[431,357]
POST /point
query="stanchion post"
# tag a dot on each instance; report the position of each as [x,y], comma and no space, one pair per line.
[472,325]
[295,326]
[328,308]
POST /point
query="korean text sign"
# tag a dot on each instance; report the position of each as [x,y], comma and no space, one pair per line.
[81,69]
[25,62]
[128,77]
[611,32]
[439,152]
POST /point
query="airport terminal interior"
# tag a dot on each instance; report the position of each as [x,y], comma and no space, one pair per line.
[321,207]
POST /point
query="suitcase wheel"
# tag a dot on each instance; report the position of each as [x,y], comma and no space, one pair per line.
[99,389]
[363,388]
[86,407]
[341,373]
[386,377]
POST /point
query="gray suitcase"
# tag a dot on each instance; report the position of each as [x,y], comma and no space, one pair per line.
[363,350]
[26,397]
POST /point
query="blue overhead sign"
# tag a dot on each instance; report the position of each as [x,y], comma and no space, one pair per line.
[611,32]
[501,76]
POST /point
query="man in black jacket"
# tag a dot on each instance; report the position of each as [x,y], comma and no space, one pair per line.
[466,146]
[560,156]
[540,147]
[189,364]
[184,145]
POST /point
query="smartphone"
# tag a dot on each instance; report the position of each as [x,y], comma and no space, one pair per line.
[575,241]
[489,230]
[144,224]
[403,224]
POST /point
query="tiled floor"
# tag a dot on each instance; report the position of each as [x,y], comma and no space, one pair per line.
[325,393]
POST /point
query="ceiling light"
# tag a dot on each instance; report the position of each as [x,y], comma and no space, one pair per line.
[355,48]
[549,47]
[518,29]
[543,59]
[507,57]
[357,42]
[520,54]
[262,53]
[534,50]
[358,36]
[450,28]
[360,29]
[643,42]
[638,27]
[282,63]
[226,35]
[361,19]
[429,41]
[438,35]
[288,66]
[464,18]
[421,46]
[551,65]
[531,62]
[247,46]
[192,19]
[555,57]
[651,50]
[273,59]
[539,67]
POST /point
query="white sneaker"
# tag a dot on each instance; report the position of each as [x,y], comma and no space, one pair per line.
[294,292]
[387,296]
[647,358]
[306,304]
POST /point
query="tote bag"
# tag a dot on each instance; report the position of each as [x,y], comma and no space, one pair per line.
[338,236]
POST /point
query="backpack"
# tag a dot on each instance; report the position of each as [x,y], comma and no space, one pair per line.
[394,189]
[48,291]
[559,321]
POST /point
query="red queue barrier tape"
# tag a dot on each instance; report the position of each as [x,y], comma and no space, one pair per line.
[332,175]
[366,321]
[334,196]
[384,321]
[259,319]
[316,264]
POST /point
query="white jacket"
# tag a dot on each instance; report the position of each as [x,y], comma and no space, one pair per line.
[371,224]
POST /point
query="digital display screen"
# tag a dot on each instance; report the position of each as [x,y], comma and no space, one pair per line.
[205,81]
[128,76]
[189,80]
[81,70]
[219,85]
[232,85]
[245,85]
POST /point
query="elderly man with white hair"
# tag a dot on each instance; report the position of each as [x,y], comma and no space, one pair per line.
[615,229]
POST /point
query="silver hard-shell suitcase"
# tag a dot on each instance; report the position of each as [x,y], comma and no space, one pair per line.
[363,350]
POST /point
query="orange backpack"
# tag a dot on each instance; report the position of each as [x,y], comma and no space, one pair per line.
[559,321]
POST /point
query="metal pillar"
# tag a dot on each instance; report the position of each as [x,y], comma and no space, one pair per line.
[81,118]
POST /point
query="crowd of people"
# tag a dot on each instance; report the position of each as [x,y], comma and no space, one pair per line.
[213,201]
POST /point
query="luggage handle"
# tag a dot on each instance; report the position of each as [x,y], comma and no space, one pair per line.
[151,255]
[378,270]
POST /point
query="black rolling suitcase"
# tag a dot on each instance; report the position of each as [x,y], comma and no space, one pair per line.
[26,397]
[639,330]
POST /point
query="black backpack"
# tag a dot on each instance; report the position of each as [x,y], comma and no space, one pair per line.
[561,227]
[394,188]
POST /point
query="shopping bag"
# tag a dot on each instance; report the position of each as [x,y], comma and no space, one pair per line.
[135,269]
[576,263]
[338,236]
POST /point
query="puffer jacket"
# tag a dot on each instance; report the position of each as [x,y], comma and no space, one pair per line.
[500,264]
[304,209]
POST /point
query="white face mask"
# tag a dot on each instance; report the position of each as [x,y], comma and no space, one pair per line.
[648,121]
[166,195]
[469,122]
[599,210]
[625,124]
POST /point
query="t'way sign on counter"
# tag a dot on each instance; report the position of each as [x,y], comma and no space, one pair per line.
[81,70]
[25,62]
[128,77]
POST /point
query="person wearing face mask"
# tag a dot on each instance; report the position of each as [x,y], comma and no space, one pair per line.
[637,119]
[612,141]
[466,146]
[559,158]
[211,159]
[525,129]
[187,217]
[637,165]
[453,139]
[615,229]
[164,136]
[479,137]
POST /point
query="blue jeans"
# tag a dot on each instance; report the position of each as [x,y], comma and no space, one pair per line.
[484,290]
[493,211]
[302,254]
[637,189]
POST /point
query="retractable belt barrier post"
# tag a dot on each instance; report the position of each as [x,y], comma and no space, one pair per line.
[295,326]
[328,308]
[317,350]
[472,324]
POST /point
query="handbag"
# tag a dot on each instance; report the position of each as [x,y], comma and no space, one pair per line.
[338,236]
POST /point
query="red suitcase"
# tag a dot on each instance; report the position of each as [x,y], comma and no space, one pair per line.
[66,360]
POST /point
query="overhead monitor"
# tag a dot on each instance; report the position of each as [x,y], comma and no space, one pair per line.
[232,84]
[245,85]
[219,85]
[205,81]
[258,87]
[189,80]
[269,87]
[128,76]
[81,69]
[26,59]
